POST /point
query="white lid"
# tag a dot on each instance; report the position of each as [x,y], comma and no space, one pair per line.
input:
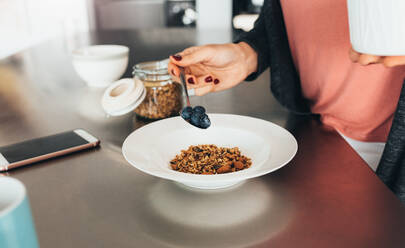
[123,96]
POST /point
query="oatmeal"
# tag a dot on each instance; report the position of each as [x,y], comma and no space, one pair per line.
[210,159]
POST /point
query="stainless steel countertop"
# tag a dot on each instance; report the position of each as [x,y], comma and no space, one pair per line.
[326,197]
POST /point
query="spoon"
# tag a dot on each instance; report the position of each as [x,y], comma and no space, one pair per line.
[183,81]
[195,116]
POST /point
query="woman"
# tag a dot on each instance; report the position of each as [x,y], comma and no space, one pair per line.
[306,44]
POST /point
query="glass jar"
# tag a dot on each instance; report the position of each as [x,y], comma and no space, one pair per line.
[163,96]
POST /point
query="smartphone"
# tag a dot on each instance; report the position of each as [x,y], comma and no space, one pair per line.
[31,151]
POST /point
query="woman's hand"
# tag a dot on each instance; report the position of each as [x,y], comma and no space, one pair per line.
[367,59]
[213,68]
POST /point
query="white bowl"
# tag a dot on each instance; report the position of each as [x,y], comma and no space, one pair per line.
[151,147]
[100,65]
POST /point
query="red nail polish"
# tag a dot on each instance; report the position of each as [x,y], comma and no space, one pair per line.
[216,81]
[177,57]
[208,79]
[172,72]
[190,80]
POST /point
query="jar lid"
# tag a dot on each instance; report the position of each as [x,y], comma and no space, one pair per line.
[123,96]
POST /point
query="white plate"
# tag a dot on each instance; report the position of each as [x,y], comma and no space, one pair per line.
[151,147]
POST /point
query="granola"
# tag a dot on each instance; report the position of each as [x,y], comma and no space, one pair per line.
[161,102]
[210,159]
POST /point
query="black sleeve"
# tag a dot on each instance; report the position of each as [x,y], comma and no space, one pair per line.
[391,168]
[257,38]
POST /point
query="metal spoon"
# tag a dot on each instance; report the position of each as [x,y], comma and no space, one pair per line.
[183,81]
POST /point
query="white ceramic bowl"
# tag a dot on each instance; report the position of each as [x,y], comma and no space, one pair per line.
[151,147]
[100,65]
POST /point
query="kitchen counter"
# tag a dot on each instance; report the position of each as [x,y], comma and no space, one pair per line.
[325,197]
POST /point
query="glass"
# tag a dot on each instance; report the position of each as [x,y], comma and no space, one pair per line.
[163,96]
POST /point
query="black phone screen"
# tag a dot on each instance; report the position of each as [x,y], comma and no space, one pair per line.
[41,146]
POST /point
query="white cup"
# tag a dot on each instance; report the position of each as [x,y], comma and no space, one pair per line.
[377,26]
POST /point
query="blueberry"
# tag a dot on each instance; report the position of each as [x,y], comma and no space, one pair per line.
[186,113]
[195,119]
[199,109]
[205,121]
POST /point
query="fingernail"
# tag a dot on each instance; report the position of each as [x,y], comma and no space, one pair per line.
[208,79]
[216,81]
[172,71]
[190,80]
[177,57]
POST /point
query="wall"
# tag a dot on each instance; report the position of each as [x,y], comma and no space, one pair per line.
[24,23]
[214,14]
